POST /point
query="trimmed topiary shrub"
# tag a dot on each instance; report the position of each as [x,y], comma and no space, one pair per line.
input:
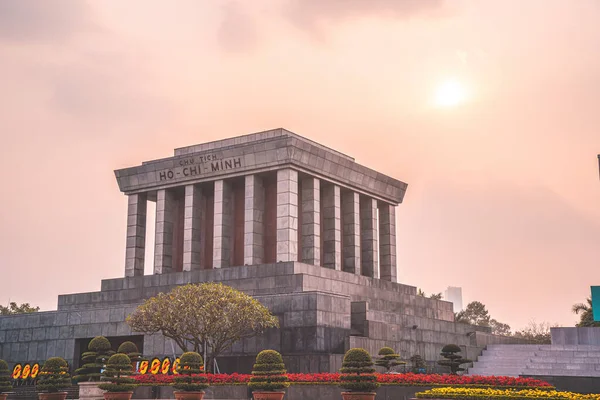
[388,358]
[268,373]
[131,350]
[358,372]
[419,366]
[117,372]
[5,385]
[99,351]
[191,377]
[54,376]
[452,358]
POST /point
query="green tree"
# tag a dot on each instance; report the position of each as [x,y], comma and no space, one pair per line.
[99,351]
[452,358]
[210,313]
[358,374]
[54,376]
[498,328]
[475,314]
[14,308]
[388,358]
[117,373]
[418,364]
[435,296]
[268,373]
[5,385]
[586,314]
[190,376]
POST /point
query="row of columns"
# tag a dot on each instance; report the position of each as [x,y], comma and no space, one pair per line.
[316,223]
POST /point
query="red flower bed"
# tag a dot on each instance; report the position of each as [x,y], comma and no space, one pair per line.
[213,379]
[408,379]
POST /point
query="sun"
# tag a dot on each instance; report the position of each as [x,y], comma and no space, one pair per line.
[450,93]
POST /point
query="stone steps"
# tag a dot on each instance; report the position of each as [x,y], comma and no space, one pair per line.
[542,360]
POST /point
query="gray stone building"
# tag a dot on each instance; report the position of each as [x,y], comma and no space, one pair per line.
[301,227]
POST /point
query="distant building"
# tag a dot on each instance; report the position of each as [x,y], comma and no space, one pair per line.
[454,295]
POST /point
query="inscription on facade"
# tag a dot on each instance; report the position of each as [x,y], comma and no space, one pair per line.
[199,165]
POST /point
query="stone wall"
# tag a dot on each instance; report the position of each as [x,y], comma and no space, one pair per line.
[322,313]
[576,336]
[294,392]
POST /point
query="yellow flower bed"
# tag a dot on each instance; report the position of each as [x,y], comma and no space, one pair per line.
[502,394]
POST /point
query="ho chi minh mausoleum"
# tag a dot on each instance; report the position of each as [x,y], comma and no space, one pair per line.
[303,228]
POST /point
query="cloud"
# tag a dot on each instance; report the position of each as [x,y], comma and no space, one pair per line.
[308,14]
[42,21]
[237,32]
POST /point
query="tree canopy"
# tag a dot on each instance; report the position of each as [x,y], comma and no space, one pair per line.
[14,308]
[453,359]
[196,313]
[476,314]
[586,314]
[435,296]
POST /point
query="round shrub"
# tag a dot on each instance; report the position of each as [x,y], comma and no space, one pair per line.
[117,372]
[5,385]
[268,373]
[131,350]
[127,347]
[388,358]
[99,343]
[190,376]
[358,372]
[451,348]
[384,351]
[54,376]
[99,350]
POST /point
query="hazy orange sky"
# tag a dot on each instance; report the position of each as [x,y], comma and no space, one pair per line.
[503,197]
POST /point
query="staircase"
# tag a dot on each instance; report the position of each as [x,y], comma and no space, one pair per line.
[538,360]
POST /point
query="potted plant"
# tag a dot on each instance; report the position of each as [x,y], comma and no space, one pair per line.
[269,378]
[388,359]
[452,358]
[117,372]
[358,375]
[89,374]
[53,379]
[130,350]
[5,385]
[190,380]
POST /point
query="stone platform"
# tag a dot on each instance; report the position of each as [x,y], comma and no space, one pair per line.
[322,313]
[539,360]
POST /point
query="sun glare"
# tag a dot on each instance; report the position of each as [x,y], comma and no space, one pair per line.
[450,93]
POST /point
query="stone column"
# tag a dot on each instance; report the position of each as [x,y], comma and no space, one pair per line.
[192,225]
[351,231]
[136,234]
[254,252]
[368,237]
[163,242]
[332,228]
[223,225]
[311,221]
[287,215]
[387,242]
